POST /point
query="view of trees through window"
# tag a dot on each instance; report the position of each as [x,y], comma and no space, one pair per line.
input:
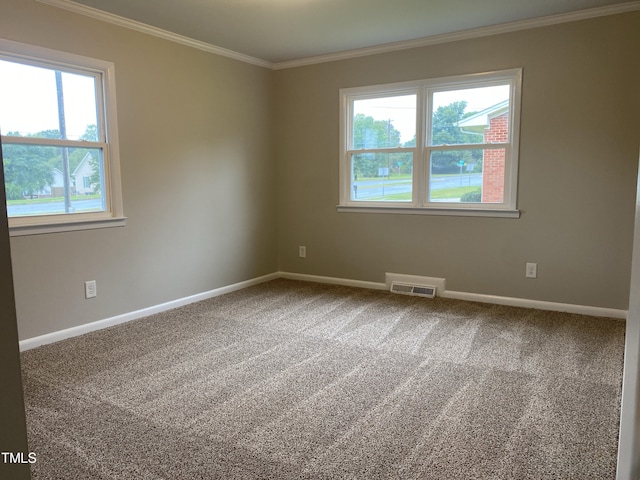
[381,124]
[458,117]
[53,160]
[34,177]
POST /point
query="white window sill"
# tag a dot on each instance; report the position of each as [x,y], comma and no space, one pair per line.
[70,226]
[458,212]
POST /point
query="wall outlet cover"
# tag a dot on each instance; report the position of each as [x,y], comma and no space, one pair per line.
[90,289]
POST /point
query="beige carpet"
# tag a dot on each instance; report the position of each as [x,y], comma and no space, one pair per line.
[299,380]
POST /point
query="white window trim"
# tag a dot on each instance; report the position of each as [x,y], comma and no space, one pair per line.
[423,89]
[114,213]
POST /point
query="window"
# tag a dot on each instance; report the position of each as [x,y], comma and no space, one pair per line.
[59,140]
[442,146]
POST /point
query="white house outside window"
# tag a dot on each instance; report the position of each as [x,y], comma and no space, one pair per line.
[59,140]
[441,146]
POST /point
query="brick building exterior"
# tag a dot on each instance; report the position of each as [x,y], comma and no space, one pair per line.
[494,160]
[493,123]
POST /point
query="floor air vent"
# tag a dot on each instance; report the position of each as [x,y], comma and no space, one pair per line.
[410,289]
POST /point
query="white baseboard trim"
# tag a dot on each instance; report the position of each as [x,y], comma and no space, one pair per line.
[537,304]
[52,337]
[474,297]
[334,281]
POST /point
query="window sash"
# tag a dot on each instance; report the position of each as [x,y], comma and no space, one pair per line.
[51,142]
[424,147]
[106,115]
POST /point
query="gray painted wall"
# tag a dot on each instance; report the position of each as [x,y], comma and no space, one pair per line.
[198,178]
[578,165]
[228,167]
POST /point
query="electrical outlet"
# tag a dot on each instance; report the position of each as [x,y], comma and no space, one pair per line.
[90,289]
[532,270]
[302,251]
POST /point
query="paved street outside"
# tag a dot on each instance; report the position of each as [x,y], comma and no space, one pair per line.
[380,187]
[93,204]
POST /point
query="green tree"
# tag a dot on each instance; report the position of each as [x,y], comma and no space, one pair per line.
[75,157]
[445,131]
[27,169]
[47,134]
[77,154]
[90,134]
[95,179]
[371,133]
[30,168]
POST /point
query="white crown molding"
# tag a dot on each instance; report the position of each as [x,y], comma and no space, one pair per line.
[465,34]
[154,31]
[361,52]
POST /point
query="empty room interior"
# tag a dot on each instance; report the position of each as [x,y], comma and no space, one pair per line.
[227,310]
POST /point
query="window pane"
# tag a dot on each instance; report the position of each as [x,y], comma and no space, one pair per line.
[470,116]
[29,103]
[35,180]
[385,122]
[382,177]
[467,176]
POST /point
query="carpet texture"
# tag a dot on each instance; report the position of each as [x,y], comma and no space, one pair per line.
[300,380]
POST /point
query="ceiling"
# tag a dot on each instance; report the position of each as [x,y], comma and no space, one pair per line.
[277,31]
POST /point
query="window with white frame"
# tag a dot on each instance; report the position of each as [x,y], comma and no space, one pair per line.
[443,146]
[59,140]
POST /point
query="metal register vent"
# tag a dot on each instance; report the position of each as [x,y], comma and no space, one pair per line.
[412,289]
